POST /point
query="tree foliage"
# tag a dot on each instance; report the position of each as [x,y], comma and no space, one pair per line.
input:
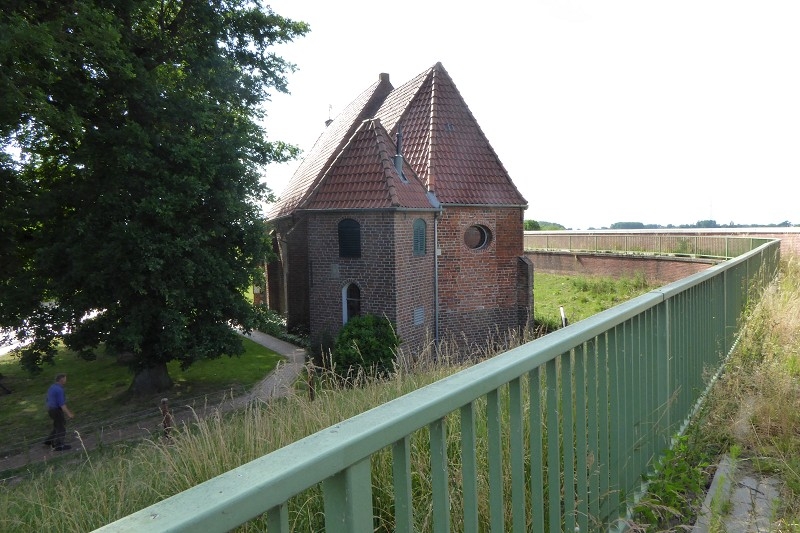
[131,148]
[531,225]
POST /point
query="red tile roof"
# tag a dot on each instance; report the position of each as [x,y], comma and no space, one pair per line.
[445,144]
[363,176]
[316,162]
[441,141]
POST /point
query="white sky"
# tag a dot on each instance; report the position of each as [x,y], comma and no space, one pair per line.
[602,111]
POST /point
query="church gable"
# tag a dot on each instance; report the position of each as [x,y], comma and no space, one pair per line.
[444,143]
[364,176]
[312,169]
[441,141]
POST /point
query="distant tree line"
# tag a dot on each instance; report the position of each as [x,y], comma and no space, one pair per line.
[539,225]
[700,224]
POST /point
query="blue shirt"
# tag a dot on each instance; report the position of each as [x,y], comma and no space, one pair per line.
[56,397]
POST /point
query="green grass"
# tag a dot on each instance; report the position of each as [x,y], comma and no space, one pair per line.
[754,408]
[97,390]
[120,481]
[581,296]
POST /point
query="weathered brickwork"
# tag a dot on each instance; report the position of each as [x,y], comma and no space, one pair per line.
[415,280]
[478,287]
[661,269]
[658,270]
[392,280]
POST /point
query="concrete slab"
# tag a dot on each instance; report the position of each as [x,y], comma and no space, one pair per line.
[739,500]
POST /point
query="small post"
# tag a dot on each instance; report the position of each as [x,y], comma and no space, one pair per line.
[311,382]
[166,418]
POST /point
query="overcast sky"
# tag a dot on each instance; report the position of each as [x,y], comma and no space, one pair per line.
[602,111]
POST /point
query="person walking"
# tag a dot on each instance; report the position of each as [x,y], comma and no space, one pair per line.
[58,410]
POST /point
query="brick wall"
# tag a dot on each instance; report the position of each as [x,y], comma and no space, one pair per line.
[287,281]
[415,281]
[478,288]
[386,241]
[329,273]
[657,270]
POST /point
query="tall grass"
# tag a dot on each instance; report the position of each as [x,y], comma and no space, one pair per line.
[755,406]
[581,296]
[103,488]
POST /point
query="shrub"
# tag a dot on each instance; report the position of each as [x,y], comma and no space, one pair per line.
[365,342]
[273,323]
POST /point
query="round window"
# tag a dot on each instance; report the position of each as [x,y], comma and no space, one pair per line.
[477,237]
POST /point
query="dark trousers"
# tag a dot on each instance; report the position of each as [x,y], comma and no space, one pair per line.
[56,438]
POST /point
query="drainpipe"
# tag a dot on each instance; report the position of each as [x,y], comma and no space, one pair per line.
[436,251]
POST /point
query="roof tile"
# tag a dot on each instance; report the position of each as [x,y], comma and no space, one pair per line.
[444,149]
[363,176]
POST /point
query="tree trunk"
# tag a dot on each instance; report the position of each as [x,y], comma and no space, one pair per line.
[151,380]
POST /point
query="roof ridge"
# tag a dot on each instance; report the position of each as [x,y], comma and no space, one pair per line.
[431,177]
[397,96]
[389,170]
[307,177]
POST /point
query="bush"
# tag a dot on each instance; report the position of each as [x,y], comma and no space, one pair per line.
[273,323]
[365,342]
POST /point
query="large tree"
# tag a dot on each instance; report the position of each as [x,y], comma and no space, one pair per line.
[131,147]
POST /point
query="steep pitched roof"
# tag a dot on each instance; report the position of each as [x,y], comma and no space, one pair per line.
[363,176]
[442,142]
[328,144]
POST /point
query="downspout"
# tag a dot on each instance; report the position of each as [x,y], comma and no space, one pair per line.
[436,277]
[436,251]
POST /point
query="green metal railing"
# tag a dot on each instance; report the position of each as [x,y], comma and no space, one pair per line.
[573,422]
[674,244]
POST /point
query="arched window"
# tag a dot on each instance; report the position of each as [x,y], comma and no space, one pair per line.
[351,302]
[419,236]
[349,238]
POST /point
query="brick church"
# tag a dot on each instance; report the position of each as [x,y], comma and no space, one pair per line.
[403,209]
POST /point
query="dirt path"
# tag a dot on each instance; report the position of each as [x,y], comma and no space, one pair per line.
[276,384]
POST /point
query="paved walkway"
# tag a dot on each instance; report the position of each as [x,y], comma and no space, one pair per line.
[278,383]
[738,501]
[282,379]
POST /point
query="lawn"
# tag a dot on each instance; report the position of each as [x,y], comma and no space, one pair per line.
[97,390]
[581,296]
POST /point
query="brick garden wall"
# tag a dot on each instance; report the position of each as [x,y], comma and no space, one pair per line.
[657,270]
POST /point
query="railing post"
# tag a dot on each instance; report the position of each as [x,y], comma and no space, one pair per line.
[166,418]
[348,499]
[401,473]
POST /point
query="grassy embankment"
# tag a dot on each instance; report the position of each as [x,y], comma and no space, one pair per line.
[97,391]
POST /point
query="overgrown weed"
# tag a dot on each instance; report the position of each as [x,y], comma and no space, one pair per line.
[755,406]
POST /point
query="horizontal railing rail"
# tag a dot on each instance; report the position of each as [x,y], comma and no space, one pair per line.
[707,246]
[571,424]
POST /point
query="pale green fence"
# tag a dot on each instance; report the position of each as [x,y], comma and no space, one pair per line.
[675,244]
[574,420]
